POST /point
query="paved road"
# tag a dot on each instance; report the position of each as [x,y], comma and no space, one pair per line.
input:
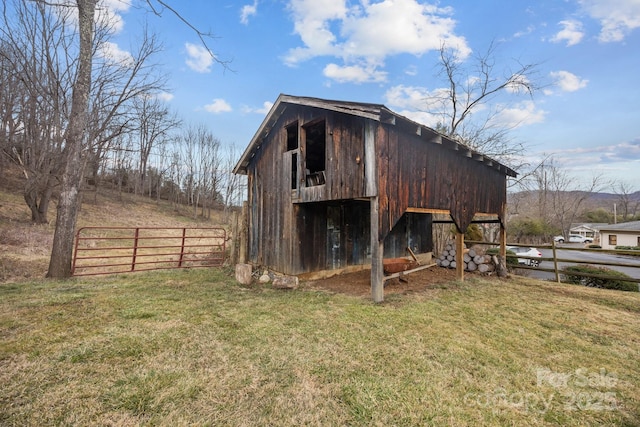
[585,256]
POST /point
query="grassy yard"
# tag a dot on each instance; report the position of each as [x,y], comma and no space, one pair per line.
[195,348]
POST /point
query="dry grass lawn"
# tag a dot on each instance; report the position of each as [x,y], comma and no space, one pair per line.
[195,348]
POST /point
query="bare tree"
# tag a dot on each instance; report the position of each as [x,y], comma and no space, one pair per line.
[155,121]
[36,67]
[560,196]
[74,137]
[466,106]
[120,161]
[71,68]
[201,159]
[232,183]
[174,177]
[627,204]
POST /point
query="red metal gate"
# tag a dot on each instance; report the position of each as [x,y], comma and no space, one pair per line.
[109,250]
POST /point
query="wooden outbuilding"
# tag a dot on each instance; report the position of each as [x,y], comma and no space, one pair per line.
[333,184]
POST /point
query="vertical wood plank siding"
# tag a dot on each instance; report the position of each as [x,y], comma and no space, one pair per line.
[289,228]
[288,235]
[420,174]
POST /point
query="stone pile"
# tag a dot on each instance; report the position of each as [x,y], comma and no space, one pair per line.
[474,259]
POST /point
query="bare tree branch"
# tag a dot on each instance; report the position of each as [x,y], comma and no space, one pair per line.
[202,36]
[471,89]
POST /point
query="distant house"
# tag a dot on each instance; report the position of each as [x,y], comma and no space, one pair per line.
[335,184]
[624,234]
[589,229]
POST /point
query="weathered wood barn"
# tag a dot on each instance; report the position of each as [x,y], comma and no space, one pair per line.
[333,184]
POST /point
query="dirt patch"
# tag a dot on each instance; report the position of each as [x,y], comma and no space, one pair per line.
[359,283]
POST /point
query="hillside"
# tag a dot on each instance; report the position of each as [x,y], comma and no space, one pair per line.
[525,203]
[25,247]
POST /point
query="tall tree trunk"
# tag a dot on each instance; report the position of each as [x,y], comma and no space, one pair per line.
[37,197]
[38,203]
[69,203]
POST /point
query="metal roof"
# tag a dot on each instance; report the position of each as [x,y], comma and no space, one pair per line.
[593,226]
[624,226]
[377,112]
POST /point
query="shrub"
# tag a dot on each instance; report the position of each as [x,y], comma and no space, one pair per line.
[594,246]
[615,280]
[474,232]
[628,248]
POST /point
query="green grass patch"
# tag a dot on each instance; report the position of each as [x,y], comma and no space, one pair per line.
[195,348]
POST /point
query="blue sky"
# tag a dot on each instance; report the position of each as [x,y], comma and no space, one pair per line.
[386,51]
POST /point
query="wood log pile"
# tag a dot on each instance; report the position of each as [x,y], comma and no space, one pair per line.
[475,259]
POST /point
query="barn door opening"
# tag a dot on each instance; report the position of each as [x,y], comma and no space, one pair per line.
[316,148]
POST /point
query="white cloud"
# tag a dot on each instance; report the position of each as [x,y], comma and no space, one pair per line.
[412,97]
[571,32]
[164,96]
[312,20]
[521,114]
[525,32]
[626,151]
[411,70]
[266,106]
[426,107]
[109,13]
[218,106]
[617,17]
[199,59]
[247,11]
[370,31]
[400,26]
[354,73]
[417,103]
[568,82]
[112,52]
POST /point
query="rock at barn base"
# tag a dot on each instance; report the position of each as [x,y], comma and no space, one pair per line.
[285,282]
[265,278]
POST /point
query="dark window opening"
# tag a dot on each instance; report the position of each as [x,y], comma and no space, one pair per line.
[294,171]
[316,146]
[292,136]
[613,239]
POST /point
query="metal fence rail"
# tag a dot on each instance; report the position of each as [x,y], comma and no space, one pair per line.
[110,250]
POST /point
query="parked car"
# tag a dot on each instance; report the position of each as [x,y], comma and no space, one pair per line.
[574,238]
[526,251]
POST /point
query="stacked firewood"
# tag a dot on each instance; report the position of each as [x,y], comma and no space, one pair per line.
[474,259]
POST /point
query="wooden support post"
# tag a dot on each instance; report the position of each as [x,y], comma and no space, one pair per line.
[555,263]
[244,234]
[503,242]
[459,256]
[234,244]
[377,252]
[501,260]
